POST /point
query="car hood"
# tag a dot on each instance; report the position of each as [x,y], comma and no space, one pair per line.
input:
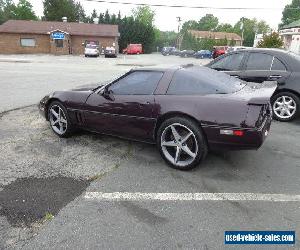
[87,87]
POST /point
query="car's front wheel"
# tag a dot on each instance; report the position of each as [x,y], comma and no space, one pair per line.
[181,143]
[286,106]
[59,119]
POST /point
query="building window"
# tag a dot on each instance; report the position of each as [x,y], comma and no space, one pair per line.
[28,42]
[59,43]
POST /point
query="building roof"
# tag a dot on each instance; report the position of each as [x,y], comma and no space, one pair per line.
[42,27]
[295,24]
[215,35]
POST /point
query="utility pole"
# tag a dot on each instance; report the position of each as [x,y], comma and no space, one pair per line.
[242,29]
[178,38]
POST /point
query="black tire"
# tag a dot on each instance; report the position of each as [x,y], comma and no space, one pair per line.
[296,104]
[69,128]
[198,141]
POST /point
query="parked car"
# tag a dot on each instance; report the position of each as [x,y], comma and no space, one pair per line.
[187,53]
[166,51]
[203,54]
[133,49]
[259,65]
[185,110]
[218,51]
[91,50]
[175,52]
[110,52]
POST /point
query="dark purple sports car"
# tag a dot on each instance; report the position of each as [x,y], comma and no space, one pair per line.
[185,110]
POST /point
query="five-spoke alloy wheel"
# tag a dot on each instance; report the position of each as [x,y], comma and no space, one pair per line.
[285,106]
[181,143]
[59,120]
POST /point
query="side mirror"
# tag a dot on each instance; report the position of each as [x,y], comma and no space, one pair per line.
[108,94]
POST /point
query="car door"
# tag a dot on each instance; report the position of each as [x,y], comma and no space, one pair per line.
[231,64]
[125,107]
[279,71]
[262,67]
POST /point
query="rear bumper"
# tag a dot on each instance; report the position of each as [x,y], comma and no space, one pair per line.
[251,139]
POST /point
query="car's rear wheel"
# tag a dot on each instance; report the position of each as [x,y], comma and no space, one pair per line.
[181,143]
[286,106]
[59,119]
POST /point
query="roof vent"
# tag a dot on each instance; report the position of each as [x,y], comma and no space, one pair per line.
[64,19]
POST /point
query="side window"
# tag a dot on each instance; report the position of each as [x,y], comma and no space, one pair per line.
[278,65]
[259,61]
[137,83]
[229,63]
[28,42]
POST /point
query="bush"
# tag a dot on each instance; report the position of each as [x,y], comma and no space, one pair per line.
[271,41]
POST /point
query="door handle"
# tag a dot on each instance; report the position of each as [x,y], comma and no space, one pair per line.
[275,77]
[142,104]
[235,76]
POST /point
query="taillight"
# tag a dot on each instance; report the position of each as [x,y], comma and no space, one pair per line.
[231,132]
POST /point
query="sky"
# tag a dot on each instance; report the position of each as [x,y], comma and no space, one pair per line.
[165,18]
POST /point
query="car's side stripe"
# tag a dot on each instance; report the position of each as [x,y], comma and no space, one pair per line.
[110,114]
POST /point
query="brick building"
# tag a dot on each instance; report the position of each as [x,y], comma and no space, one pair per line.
[232,38]
[59,38]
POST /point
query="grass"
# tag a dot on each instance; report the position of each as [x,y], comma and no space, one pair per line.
[48,216]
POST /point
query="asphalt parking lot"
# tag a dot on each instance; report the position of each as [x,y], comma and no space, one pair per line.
[47,183]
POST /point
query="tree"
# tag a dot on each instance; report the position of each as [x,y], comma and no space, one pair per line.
[134,31]
[144,14]
[101,18]
[119,18]
[93,16]
[80,13]
[189,25]
[271,41]
[24,11]
[107,17]
[291,13]
[164,39]
[208,22]
[225,27]
[262,27]
[113,19]
[54,10]
[7,8]
[250,26]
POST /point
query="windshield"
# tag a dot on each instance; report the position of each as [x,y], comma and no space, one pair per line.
[91,46]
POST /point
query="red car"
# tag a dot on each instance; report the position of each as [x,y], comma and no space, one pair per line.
[219,50]
[133,49]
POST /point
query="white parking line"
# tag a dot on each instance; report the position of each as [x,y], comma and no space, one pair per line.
[124,196]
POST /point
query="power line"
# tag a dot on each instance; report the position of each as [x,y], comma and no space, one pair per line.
[185,6]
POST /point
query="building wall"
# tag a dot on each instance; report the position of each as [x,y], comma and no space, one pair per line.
[77,41]
[11,44]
